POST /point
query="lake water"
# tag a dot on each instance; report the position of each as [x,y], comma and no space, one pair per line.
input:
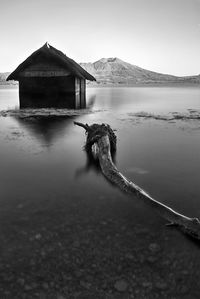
[59,214]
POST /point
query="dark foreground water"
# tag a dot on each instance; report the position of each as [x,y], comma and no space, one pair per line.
[66,232]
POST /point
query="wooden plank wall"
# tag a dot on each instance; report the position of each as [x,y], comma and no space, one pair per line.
[58,73]
[47,92]
[45,69]
[77,93]
[83,95]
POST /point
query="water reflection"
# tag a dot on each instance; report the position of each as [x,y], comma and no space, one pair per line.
[46,129]
[44,210]
[92,164]
[91,101]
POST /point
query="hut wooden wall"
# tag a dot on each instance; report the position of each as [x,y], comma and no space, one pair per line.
[80,93]
[83,94]
[45,69]
[42,92]
[77,93]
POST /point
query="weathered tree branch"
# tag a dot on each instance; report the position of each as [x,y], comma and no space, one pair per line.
[103,139]
[86,127]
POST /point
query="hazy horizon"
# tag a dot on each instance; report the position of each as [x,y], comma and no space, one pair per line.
[80,62]
[157,35]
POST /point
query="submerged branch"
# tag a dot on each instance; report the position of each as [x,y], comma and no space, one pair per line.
[86,127]
[103,139]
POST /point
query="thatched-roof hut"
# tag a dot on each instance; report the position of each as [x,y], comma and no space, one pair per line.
[48,78]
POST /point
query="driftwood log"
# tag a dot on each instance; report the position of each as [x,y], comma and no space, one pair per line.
[101,141]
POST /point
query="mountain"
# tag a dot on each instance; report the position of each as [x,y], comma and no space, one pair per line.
[3,81]
[117,71]
[114,71]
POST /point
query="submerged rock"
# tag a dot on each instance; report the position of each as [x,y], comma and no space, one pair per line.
[121,285]
[161,285]
[154,247]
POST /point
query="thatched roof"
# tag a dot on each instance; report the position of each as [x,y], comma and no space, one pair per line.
[50,53]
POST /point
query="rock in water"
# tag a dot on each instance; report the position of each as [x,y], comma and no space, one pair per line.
[154,247]
[121,285]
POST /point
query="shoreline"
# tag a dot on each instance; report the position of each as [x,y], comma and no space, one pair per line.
[182,85]
[145,85]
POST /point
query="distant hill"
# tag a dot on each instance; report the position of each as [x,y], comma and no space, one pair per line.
[3,81]
[116,71]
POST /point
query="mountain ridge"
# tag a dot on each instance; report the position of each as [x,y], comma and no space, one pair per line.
[3,77]
[115,71]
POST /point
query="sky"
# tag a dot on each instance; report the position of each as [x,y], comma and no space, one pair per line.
[159,35]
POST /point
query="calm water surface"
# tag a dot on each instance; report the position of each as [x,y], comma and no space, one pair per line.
[45,172]
[163,157]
